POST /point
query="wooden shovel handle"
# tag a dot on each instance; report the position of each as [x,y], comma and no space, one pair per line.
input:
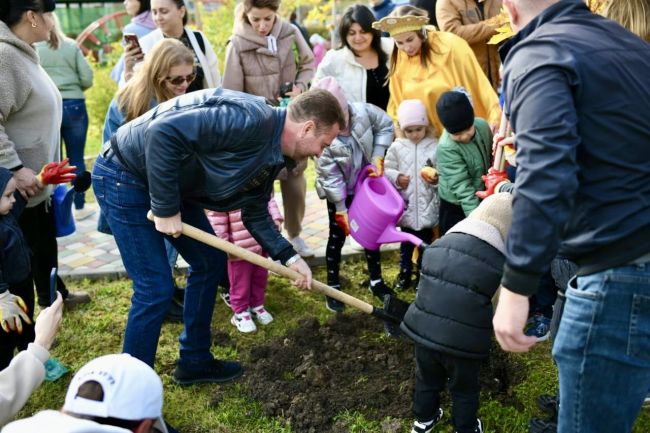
[256,259]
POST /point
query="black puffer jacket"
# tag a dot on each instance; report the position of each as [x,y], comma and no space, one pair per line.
[452,312]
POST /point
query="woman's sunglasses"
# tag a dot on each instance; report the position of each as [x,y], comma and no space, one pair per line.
[177,81]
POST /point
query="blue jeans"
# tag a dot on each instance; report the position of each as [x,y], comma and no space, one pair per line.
[74,127]
[124,201]
[602,350]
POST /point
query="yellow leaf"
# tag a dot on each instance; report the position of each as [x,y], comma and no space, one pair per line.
[503,33]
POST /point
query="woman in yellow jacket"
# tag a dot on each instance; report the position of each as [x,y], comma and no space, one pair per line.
[426,63]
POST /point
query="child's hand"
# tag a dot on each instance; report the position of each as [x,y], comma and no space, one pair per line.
[403,181]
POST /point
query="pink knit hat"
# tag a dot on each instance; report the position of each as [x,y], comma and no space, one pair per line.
[412,112]
[330,84]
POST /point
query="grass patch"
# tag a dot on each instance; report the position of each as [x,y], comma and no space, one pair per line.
[96,329]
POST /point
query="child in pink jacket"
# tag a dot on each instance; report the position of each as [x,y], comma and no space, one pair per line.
[247,281]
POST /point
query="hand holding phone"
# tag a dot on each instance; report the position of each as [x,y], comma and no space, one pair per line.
[131,39]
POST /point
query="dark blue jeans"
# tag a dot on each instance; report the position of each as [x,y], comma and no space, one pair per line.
[602,350]
[124,201]
[74,127]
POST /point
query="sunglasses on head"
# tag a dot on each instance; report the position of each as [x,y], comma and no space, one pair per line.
[177,81]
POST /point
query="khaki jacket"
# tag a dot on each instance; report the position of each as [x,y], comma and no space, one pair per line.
[463,17]
[253,68]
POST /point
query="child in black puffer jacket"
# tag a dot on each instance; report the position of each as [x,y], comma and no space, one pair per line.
[451,318]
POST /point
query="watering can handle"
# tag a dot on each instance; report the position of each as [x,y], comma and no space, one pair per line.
[363,174]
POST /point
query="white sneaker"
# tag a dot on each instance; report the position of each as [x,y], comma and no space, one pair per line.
[243,322]
[262,316]
[301,247]
[225,296]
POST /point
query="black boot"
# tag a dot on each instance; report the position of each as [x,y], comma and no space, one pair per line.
[403,281]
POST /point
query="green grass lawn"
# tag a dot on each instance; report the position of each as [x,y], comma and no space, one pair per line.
[97,329]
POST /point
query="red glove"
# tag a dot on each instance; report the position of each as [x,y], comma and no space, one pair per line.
[491,180]
[341,218]
[53,173]
[377,167]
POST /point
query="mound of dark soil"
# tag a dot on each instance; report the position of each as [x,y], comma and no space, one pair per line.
[316,372]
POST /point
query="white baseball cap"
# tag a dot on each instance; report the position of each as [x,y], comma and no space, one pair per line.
[132,390]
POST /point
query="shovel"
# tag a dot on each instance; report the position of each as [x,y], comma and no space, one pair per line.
[392,313]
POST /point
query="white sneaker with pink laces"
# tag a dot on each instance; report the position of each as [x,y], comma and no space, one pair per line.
[261,315]
[244,322]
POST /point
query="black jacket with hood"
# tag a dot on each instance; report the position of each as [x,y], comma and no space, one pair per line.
[577,94]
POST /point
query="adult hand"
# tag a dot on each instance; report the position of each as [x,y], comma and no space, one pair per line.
[341,218]
[132,55]
[171,226]
[26,182]
[48,322]
[403,181]
[295,91]
[509,321]
[377,167]
[302,268]
[13,312]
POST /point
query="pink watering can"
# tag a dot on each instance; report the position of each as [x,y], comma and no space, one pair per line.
[375,210]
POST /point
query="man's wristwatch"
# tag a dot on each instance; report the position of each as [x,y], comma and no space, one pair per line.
[292,260]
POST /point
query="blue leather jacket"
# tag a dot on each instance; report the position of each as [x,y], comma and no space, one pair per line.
[578,96]
[217,148]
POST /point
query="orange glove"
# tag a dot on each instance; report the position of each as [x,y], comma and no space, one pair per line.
[53,173]
[341,218]
[491,180]
[377,168]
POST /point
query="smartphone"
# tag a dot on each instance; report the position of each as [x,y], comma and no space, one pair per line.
[132,39]
[53,286]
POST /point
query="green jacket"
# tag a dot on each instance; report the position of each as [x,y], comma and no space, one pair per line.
[460,166]
[67,67]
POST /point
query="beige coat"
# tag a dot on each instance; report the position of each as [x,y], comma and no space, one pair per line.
[463,18]
[253,68]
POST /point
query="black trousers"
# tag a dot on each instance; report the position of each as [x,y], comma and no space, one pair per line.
[38,227]
[9,342]
[335,244]
[450,215]
[434,370]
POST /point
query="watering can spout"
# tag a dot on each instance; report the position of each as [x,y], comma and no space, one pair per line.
[392,235]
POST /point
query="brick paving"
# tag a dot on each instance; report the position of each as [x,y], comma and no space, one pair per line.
[90,254]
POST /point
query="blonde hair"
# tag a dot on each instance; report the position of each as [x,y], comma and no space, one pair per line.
[56,34]
[631,14]
[148,82]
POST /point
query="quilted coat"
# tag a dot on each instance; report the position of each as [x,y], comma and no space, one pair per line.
[339,165]
[229,226]
[422,203]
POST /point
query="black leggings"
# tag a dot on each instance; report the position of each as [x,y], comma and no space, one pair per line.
[335,244]
[37,224]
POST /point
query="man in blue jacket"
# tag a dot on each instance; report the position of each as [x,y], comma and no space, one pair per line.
[577,94]
[212,149]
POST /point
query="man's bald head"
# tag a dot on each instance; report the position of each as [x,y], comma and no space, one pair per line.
[523,11]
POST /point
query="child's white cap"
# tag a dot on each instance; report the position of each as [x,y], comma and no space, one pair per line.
[412,112]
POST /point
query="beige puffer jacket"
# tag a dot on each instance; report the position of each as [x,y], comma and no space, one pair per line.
[464,18]
[253,68]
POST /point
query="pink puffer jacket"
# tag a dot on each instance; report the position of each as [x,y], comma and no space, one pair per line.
[229,226]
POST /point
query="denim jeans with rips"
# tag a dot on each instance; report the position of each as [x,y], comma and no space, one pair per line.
[124,201]
[602,350]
